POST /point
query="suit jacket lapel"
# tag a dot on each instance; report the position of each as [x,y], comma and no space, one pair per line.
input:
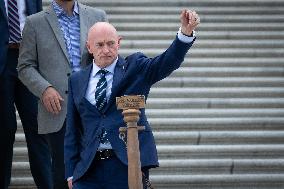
[3,9]
[28,6]
[84,26]
[119,73]
[84,81]
[31,7]
[53,21]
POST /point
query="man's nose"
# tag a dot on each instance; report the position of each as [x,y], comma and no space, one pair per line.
[105,49]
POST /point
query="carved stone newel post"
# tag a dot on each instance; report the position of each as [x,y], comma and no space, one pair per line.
[130,106]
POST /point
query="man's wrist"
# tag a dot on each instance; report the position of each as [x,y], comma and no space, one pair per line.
[69,178]
[186,34]
[185,38]
[192,34]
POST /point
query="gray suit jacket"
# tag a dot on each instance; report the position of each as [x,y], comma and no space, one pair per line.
[43,59]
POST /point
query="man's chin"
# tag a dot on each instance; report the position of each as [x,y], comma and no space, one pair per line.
[107,60]
[104,62]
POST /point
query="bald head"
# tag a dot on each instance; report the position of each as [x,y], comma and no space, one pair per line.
[101,27]
[103,43]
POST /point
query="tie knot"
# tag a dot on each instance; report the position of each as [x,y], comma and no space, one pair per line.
[102,72]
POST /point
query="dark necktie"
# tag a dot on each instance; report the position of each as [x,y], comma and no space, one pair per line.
[100,94]
[14,23]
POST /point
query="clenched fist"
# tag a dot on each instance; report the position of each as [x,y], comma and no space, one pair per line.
[189,21]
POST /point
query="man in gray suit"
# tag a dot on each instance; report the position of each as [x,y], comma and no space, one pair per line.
[53,46]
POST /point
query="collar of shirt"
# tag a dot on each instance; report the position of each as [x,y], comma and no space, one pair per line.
[59,11]
[109,68]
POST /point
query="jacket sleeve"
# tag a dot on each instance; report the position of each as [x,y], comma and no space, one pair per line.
[39,5]
[28,63]
[161,66]
[72,135]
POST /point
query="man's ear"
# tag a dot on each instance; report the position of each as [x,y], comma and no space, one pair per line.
[118,41]
[88,47]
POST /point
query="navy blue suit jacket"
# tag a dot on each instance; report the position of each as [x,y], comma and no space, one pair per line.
[133,75]
[32,6]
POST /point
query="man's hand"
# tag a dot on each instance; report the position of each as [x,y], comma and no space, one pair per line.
[70,185]
[51,100]
[189,20]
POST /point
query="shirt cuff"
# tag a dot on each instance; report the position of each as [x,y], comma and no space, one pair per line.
[185,38]
[69,178]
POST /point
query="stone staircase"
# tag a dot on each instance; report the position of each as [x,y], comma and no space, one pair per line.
[219,119]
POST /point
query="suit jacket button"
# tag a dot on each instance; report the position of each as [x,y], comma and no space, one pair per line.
[68,74]
[66,92]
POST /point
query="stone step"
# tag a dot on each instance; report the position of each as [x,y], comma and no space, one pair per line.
[236,181]
[219,166]
[217,124]
[183,81]
[196,181]
[174,18]
[199,166]
[22,182]
[213,113]
[20,154]
[218,137]
[217,92]
[168,3]
[222,103]
[232,62]
[20,141]
[198,137]
[213,124]
[227,62]
[206,72]
[246,151]
[203,43]
[214,53]
[217,26]
[21,169]
[214,35]
[202,10]
[255,151]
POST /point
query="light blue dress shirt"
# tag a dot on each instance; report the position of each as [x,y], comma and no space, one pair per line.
[70,27]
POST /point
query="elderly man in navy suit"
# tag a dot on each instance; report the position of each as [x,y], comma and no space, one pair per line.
[13,14]
[95,157]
